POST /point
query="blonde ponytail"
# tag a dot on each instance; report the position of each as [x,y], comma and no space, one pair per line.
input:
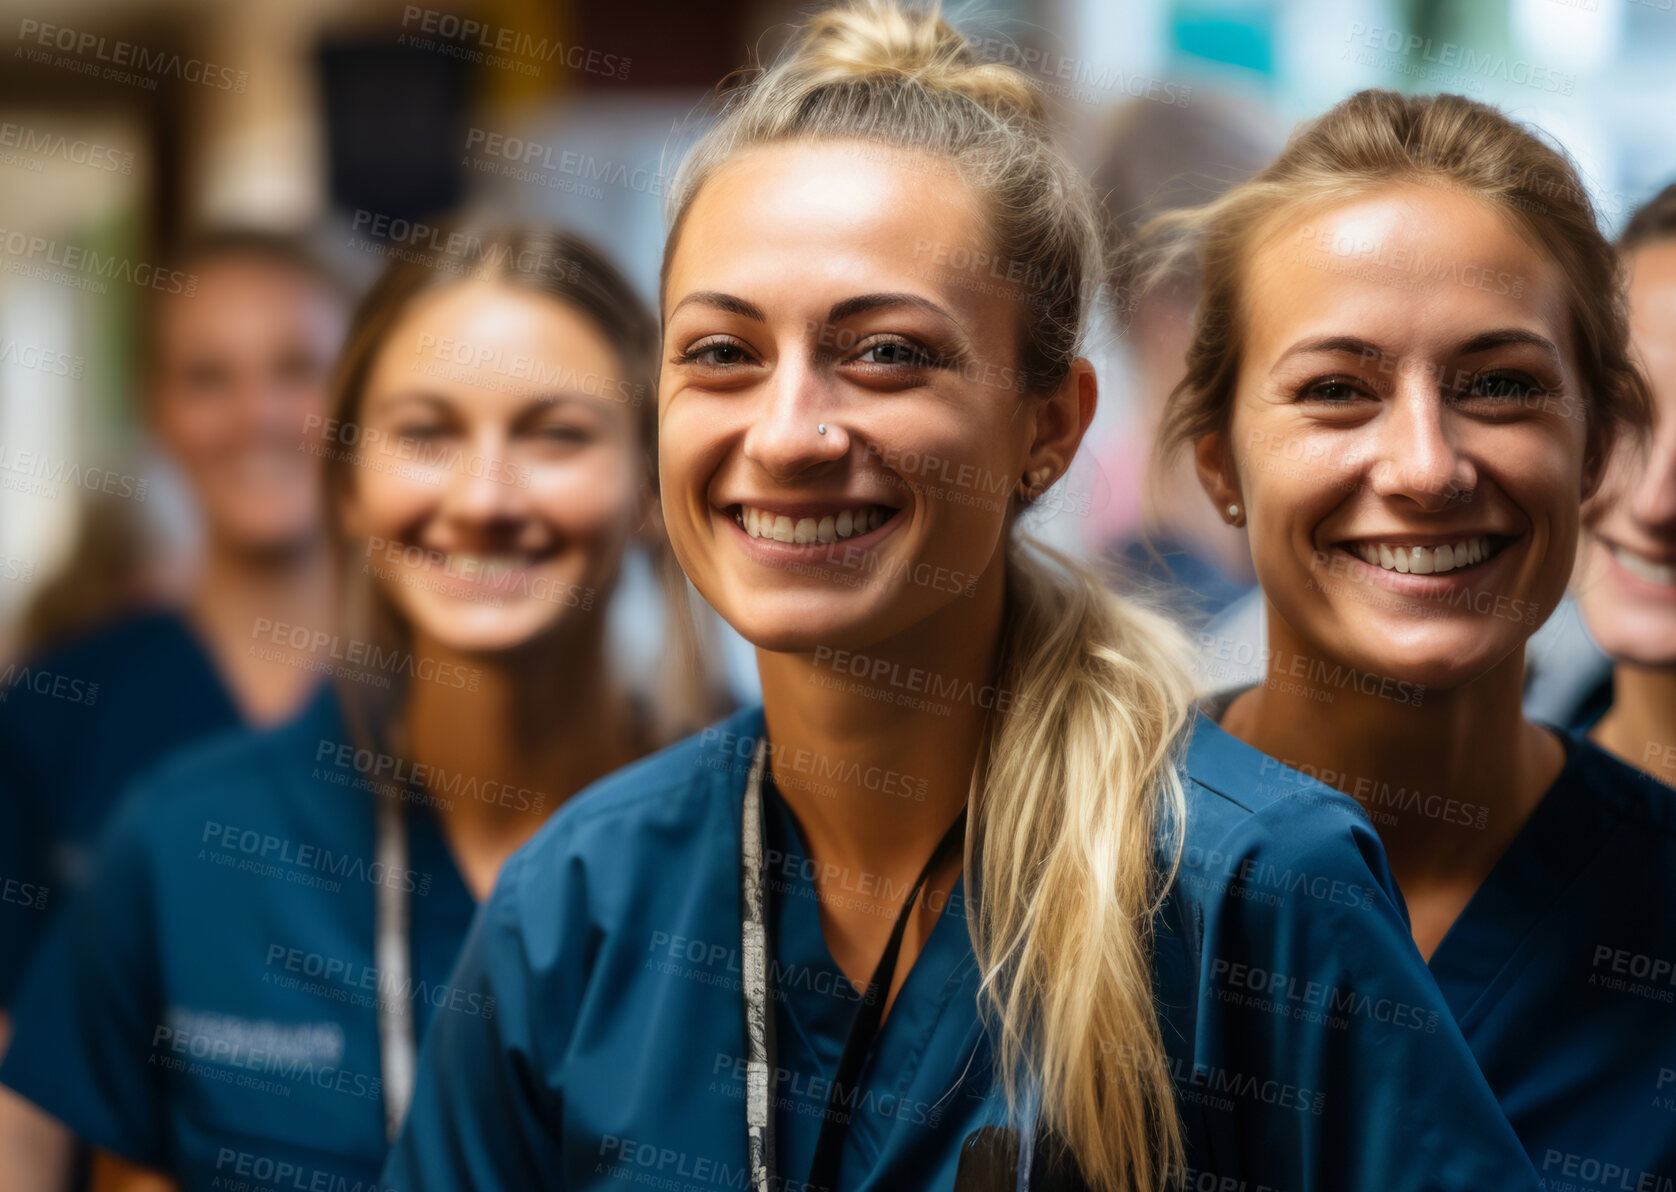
[1080,796]
[1077,785]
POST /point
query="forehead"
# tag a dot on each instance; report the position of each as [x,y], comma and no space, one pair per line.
[835,215]
[1413,268]
[248,297]
[492,313]
[495,344]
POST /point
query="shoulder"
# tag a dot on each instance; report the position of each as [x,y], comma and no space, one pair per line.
[1267,835]
[154,634]
[1233,788]
[1620,789]
[261,775]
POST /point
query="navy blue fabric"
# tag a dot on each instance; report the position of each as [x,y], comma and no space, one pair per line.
[208,1006]
[611,950]
[77,724]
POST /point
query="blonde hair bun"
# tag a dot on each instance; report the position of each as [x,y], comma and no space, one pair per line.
[865,39]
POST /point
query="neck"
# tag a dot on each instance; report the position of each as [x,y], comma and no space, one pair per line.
[522,735]
[237,587]
[1447,776]
[874,749]
[239,598]
[1638,725]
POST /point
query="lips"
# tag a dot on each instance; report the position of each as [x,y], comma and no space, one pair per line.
[492,570]
[1642,567]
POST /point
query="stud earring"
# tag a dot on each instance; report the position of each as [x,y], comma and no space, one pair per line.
[1236,515]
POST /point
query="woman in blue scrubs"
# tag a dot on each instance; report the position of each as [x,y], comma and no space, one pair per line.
[751,961]
[1412,363]
[236,999]
[1626,584]
[232,372]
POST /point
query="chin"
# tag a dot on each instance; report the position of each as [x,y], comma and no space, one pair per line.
[1441,661]
[1638,639]
[489,643]
[789,621]
[273,538]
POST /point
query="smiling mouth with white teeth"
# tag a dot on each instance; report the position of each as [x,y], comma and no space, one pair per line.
[485,568]
[803,531]
[1642,567]
[1429,560]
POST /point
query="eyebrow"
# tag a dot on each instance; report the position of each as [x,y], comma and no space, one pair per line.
[533,405]
[847,308]
[1483,342]
[1505,337]
[863,303]
[721,301]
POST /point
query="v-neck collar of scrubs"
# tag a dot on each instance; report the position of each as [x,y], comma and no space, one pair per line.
[819,1000]
[1562,837]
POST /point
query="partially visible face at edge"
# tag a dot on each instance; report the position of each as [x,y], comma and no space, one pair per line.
[1626,581]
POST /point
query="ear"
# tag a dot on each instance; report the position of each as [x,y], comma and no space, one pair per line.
[1217,473]
[1062,418]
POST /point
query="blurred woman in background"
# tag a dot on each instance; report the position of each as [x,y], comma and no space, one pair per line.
[1627,581]
[751,961]
[232,375]
[274,917]
[1410,367]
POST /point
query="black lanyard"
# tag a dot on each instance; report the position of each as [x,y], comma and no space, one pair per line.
[759,1014]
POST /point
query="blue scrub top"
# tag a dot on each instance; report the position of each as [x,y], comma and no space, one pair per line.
[207,1006]
[77,724]
[1562,973]
[611,949]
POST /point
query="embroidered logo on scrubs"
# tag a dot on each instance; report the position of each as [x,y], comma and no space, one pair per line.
[224,1039]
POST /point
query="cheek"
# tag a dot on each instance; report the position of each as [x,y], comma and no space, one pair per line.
[385,503]
[1542,474]
[197,433]
[590,498]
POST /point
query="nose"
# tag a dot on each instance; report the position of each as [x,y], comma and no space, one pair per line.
[1417,456]
[479,489]
[801,425]
[1651,499]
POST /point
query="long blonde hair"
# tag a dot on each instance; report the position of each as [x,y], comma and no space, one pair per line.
[1073,798]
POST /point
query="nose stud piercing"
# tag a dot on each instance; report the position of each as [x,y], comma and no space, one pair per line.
[821,427]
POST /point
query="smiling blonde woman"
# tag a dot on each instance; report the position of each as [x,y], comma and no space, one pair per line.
[911,923]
